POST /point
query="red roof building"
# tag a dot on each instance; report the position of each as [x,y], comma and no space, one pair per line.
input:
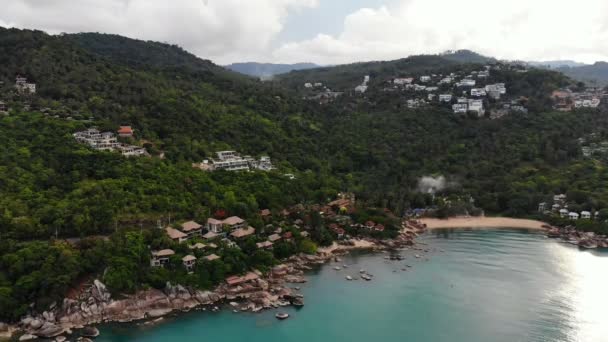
[125,131]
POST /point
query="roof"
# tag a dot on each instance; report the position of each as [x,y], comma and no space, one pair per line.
[197,246]
[264,244]
[213,221]
[274,237]
[163,253]
[231,221]
[265,212]
[189,258]
[190,225]
[210,235]
[125,130]
[175,234]
[212,257]
[242,232]
[235,280]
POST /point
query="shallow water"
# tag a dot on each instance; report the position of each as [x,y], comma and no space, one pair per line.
[476,286]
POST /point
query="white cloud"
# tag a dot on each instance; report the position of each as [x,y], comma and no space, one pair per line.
[514,29]
[222,30]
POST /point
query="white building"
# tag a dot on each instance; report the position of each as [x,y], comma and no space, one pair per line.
[573,216]
[446,80]
[431,97]
[498,87]
[425,79]
[308,85]
[445,98]
[478,92]
[585,215]
[23,86]
[418,87]
[476,106]
[466,83]
[460,108]
[563,213]
[429,89]
[361,89]
[403,81]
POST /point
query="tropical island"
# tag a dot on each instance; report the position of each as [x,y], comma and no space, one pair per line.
[144,177]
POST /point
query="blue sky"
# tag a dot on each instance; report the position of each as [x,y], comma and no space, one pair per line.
[327,17]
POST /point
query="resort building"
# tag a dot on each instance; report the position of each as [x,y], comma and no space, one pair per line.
[586,215]
[125,132]
[212,257]
[176,235]
[3,108]
[243,232]
[403,81]
[573,216]
[563,213]
[478,92]
[192,229]
[161,258]
[460,108]
[466,83]
[425,79]
[215,226]
[264,245]
[476,106]
[233,161]
[24,87]
[234,223]
[107,141]
[445,98]
[189,262]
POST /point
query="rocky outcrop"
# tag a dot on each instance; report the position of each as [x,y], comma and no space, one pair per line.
[585,240]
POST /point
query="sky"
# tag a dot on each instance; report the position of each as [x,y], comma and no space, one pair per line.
[334,31]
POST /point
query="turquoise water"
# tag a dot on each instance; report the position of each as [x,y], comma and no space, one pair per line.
[476,286]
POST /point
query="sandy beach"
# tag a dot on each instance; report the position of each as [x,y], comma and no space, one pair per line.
[482,222]
[357,244]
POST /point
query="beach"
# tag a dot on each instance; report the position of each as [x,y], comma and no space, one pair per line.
[482,222]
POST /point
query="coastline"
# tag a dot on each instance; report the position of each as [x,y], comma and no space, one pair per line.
[483,222]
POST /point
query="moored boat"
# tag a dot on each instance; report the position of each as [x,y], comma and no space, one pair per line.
[282,315]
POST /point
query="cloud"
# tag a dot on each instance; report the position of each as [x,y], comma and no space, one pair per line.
[222,30]
[515,29]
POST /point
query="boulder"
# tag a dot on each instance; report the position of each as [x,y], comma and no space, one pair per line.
[36,324]
[27,337]
[49,330]
[60,338]
[89,332]
[158,313]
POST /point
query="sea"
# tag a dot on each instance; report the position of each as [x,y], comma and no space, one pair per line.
[471,286]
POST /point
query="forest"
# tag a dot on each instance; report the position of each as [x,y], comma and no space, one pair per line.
[68,213]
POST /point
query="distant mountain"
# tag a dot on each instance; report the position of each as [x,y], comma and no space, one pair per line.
[594,74]
[467,56]
[556,64]
[267,70]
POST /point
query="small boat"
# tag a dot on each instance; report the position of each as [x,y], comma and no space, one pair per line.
[349,278]
[361,271]
[366,277]
[337,268]
[282,315]
[344,266]
[417,256]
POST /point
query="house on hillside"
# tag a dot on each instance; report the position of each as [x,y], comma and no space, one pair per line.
[478,92]
[242,232]
[3,108]
[403,81]
[476,106]
[586,215]
[161,258]
[189,262]
[212,257]
[573,216]
[425,79]
[192,229]
[176,235]
[215,226]
[23,87]
[460,108]
[445,98]
[563,213]
[125,132]
[234,223]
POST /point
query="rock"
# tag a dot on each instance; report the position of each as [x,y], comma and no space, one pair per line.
[158,313]
[36,324]
[26,321]
[49,330]
[100,291]
[27,337]
[60,338]
[90,332]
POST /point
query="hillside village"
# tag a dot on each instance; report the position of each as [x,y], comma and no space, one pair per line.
[477,92]
[233,161]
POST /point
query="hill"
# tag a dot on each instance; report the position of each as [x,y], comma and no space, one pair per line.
[267,70]
[595,74]
[71,213]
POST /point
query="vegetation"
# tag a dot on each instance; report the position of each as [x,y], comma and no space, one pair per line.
[53,190]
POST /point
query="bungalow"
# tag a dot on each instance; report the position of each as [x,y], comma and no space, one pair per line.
[242,232]
[573,216]
[308,85]
[274,238]
[265,213]
[304,234]
[425,79]
[189,262]
[215,226]
[476,106]
[563,213]
[379,228]
[340,232]
[466,83]
[192,229]
[264,245]
[585,215]
[212,257]
[161,258]
[234,223]
[125,132]
[403,81]
[176,235]
[542,207]
[210,236]
[555,207]
[197,245]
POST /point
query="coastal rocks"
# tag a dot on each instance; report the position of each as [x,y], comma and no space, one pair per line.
[585,240]
[48,330]
[90,332]
[295,279]
[27,337]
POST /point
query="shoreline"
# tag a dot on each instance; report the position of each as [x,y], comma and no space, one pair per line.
[483,222]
